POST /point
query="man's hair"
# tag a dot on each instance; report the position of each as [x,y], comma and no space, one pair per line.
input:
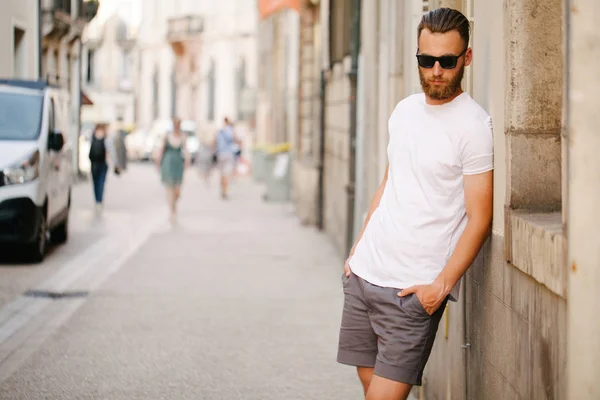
[442,20]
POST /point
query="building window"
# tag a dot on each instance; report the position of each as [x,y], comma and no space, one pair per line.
[19,53]
[69,69]
[241,86]
[127,65]
[340,27]
[211,91]
[45,63]
[63,5]
[120,112]
[56,68]
[52,117]
[174,92]
[89,74]
[155,94]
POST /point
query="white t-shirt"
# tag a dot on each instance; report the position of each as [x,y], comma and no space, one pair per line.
[421,215]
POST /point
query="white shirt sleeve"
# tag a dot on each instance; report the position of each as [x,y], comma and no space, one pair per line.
[477,148]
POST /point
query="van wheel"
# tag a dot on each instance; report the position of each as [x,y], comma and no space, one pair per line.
[60,234]
[37,250]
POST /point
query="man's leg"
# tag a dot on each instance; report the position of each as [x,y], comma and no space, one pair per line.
[171,202]
[406,334]
[226,173]
[365,375]
[357,342]
[386,389]
[176,195]
[224,185]
[95,182]
[103,170]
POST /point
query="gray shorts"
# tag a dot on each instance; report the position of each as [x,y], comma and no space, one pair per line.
[226,164]
[380,330]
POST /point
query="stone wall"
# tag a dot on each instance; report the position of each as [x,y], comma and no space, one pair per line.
[306,154]
[337,125]
[515,336]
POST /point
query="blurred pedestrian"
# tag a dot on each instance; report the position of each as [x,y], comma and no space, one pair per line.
[225,148]
[172,159]
[206,161]
[101,151]
[120,147]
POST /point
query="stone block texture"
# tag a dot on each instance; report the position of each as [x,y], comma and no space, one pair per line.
[515,332]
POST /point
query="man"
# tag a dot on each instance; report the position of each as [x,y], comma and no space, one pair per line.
[225,146]
[426,223]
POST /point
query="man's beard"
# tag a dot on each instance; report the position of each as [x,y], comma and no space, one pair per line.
[442,93]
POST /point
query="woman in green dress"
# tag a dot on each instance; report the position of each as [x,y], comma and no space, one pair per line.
[172,159]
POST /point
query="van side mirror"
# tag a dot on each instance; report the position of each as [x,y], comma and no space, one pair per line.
[56,141]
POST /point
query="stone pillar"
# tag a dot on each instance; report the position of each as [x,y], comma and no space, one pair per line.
[533,101]
[584,197]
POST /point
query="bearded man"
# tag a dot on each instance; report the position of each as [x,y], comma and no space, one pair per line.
[426,223]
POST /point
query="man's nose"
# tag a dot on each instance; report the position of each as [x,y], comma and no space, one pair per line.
[437,69]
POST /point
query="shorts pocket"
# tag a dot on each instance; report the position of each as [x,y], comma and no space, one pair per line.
[418,306]
[345,278]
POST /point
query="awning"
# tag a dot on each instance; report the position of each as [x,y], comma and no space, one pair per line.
[85,100]
[268,7]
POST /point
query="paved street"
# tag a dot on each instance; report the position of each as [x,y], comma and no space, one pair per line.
[238,301]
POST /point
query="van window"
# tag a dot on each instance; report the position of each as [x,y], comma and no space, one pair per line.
[20,116]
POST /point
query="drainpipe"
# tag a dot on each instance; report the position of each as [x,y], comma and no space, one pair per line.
[321,200]
[353,76]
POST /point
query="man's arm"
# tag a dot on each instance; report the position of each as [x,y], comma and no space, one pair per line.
[479,194]
[159,154]
[372,208]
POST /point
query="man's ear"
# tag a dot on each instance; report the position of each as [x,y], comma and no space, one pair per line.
[468,57]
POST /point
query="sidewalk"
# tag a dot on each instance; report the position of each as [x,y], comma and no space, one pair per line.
[237,302]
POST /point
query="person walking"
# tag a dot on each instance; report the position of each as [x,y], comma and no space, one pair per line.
[120,144]
[171,160]
[226,144]
[101,150]
[426,223]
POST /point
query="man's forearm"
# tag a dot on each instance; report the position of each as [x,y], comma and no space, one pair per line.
[466,250]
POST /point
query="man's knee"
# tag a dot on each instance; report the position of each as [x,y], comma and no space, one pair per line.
[386,389]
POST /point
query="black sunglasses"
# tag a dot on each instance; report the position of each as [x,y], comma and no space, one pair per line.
[446,62]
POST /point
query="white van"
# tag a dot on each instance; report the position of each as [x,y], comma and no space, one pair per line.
[35,165]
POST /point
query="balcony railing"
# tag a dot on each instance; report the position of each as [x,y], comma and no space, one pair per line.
[181,27]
